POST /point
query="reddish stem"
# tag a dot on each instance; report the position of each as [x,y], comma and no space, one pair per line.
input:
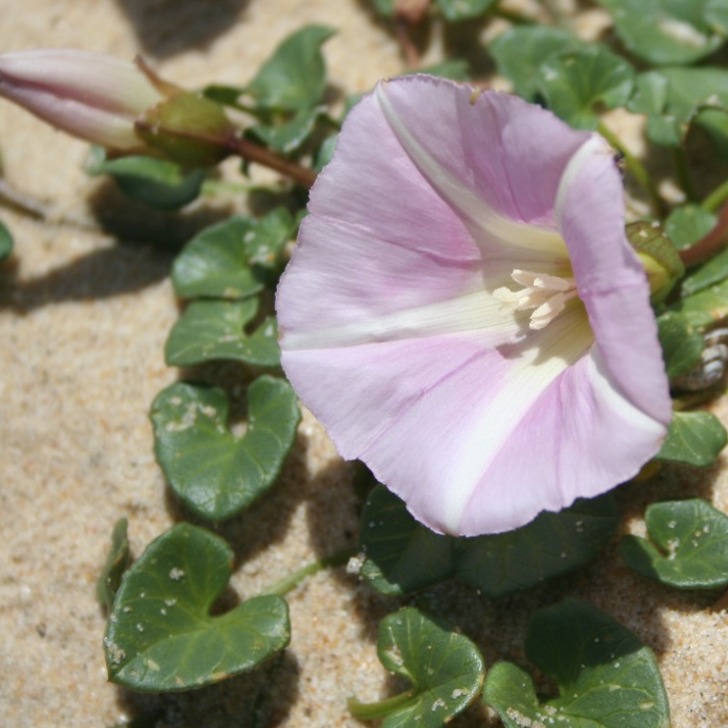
[260,155]
[710,245]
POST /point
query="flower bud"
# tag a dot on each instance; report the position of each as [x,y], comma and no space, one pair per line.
[119,105]
[92,96]
[658,256]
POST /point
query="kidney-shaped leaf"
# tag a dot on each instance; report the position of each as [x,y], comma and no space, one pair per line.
[402,554]
[688,546]
[606,677]
[675,98]
[294,77]
[445,669]
[522,49]
[694,438]
[682,344]
[232,259]
[551,545]
[117,562]
[209,330]
[575,83]
[160,635]
[687,224]
[664,31]
[214,472]
[158,183]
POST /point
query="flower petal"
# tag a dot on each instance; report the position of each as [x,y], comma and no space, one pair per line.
[580,438]
[430,415]
[495,158]
[611,281]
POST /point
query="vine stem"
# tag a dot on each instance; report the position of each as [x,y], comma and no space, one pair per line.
[714,201]
[290,582]
[636,169]
[711,244]
[372,711]
[252,152]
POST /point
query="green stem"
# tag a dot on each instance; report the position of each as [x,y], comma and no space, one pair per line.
[714,201]
[636,169]
[214,187]
[372,711]
[290,582]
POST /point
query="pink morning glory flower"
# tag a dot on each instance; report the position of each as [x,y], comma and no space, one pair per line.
[464,313]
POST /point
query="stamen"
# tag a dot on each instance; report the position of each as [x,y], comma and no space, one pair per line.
[544,293]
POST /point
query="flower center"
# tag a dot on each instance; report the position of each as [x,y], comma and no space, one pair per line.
[547,295]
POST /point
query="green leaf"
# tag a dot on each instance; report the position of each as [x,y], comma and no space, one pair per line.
[223,94]
[455,69]
[688,546]
[157,183]
[575,84]
[117,562]
[213,471]
[384,7]
[675,98]
[687,224]
[233,259]
[716,15]
[294,77]
[210,330]
[520,51]
[402,554]
[694,438]
[325,152]
[713,271]
[605,676]
[454,10]
[6,242]
[160,635]
[664,31]
[287,137]
[551,545]
[682,344]
[706,307]
[445,669]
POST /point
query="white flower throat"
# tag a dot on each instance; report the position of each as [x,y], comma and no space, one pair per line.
[547,295]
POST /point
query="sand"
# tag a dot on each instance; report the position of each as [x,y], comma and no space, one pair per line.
[85,307]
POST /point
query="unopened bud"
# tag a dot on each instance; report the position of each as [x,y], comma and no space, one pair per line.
[119,105]
[92,96]
[658,255]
